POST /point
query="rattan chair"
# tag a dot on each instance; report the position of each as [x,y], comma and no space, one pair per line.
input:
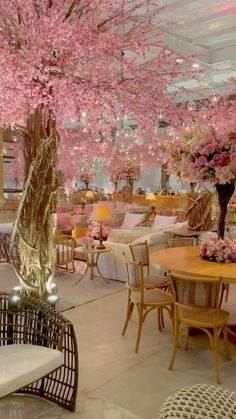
[65,246]
[200,401]
[180,242]
[34,322]
[140,253]
[144,299]
[197,301]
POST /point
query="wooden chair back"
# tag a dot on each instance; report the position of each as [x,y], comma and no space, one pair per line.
[180,242]
[65,246]
[139,252]
[135,277]
[196,291]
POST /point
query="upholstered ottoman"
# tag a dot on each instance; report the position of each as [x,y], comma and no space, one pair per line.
[200,401]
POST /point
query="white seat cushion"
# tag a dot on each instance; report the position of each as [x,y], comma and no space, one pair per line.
[22,364]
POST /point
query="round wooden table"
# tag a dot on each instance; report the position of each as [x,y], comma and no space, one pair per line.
[188,260]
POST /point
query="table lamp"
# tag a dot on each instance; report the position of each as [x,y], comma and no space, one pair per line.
[150,196]
[100,213]
[89,195]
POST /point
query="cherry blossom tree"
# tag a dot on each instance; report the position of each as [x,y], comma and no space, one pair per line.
[92,62]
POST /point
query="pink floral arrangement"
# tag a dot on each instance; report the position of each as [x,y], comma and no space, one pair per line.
[95,232]
[152,207]
[86,241]
[127,170]
[116,174]
[204,155]
[86,177]
[218,250]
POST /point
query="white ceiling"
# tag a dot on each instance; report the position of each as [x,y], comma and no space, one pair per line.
[206,28]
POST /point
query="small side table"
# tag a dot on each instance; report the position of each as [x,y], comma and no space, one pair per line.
[92,264]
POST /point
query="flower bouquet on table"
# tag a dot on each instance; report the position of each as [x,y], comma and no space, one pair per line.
[218,250]
[95,232]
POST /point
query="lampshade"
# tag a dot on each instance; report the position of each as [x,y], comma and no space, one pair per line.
[89,194]
[100,213]
[150,196]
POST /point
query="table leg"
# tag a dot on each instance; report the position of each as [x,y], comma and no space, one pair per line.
[83,275]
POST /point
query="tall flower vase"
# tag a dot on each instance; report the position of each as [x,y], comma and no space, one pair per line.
[86,185]
[224,192]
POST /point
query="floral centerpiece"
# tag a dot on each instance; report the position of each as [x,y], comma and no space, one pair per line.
[86,177]
[218,250]
[129,172]
[116,175]
[95,232]
[205,155]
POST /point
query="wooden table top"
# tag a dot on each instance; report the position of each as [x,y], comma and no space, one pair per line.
[188,260]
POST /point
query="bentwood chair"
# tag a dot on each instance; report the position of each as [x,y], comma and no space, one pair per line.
[144,299]
[180,242]
[140,253]
[196,305]
[65,246]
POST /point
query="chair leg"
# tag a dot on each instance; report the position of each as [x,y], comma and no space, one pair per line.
[186,338]
[160,318]
[215,354]
[140,325]
[129,311]
[227,292]
[226,344]
[175,343]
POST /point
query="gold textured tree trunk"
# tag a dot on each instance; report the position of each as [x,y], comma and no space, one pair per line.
[33,253]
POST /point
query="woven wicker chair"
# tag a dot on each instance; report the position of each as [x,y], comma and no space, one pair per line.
[197,300]
[65,246]
[200,401]
[34,322]
[145,300]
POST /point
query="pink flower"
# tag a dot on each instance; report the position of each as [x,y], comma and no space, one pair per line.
[221,160]
[201,161]
[218,250]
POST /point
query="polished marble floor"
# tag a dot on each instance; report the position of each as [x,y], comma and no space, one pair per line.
[116,383]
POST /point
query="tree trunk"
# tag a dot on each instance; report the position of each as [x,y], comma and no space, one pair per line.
[130,182]
[86,185]
[33,251]
[225,192]
[164,177]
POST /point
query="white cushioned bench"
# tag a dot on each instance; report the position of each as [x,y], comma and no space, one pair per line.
[22,364]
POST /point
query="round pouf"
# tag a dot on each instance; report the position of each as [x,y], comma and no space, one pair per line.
[200,401]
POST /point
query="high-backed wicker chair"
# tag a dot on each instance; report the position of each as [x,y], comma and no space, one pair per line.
[140,253]
[65,246]
[180,242]
[34,322]
[145,300]
[197,305]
